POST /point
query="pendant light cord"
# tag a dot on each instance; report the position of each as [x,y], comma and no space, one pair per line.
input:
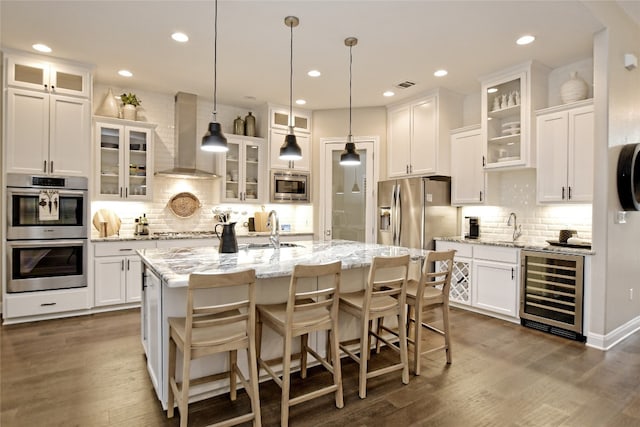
[291,79]
[215,62]
[350,66]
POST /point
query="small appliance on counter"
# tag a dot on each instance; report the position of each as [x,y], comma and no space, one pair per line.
[471,227]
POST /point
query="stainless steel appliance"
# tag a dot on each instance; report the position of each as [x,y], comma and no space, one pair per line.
[551,293]
[23,207]
[471,227]
[290,187]
[412,211]
[45,251]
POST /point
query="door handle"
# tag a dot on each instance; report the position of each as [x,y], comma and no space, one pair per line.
[513,273]
[122,265]
[568,193]
[51,166]
[562,193]
[45,163]
[484,161]
[128,265]
[480,195]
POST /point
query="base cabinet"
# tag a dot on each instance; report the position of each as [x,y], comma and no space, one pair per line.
[118,272]
[485,278]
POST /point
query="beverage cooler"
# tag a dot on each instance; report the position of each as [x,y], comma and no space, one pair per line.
[552,292]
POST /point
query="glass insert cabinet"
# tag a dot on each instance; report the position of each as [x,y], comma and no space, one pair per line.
[124,160]
[242,170]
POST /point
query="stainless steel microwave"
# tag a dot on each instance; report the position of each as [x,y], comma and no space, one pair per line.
[290,187]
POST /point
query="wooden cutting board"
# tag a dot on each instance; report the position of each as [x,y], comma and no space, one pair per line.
[110,218]
[260,220]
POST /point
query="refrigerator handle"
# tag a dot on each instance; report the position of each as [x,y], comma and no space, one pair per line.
[398,216]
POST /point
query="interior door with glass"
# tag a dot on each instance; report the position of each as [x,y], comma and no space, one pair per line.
[348,202]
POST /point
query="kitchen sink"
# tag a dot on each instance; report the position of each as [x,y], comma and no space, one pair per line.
[269,245]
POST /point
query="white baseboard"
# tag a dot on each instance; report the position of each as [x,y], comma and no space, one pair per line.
[608,341]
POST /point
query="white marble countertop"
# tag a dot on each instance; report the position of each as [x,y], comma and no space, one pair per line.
[532,246]
[173,265]
[188,235]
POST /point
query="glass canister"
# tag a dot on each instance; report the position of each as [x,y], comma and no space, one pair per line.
[238,126]
[250,125]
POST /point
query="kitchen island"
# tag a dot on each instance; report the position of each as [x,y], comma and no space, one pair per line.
[166,275]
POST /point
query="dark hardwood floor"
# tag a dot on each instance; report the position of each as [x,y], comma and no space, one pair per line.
[90,371]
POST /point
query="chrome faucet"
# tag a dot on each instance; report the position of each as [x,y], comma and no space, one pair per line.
[517,229]
[274,223]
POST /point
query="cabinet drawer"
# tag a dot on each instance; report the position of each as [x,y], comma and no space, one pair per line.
[463,249]
[122,248]
[496,253]
[46,302]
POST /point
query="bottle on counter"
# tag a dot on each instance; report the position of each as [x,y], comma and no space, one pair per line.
[144,224]
[136,229]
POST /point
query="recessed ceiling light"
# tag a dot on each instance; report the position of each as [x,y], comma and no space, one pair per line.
[125,73]
[41,47]
[441,73]
[300,101]
[388,93]
[525,40]
[492,90]
[314,73]
[180,37]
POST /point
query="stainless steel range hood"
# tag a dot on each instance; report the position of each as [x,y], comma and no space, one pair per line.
[186,140]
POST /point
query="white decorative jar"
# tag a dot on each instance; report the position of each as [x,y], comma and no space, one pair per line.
[109,107]
[573,89]
[129,112]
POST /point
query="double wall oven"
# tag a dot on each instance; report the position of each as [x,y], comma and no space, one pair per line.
[46,232]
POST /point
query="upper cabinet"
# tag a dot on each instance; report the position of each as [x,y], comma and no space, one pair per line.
[509,99]
[418,134]
[242,169]
[565,153]
[278,130]
[51,77]
[124,159]
[468,178]
[48,131]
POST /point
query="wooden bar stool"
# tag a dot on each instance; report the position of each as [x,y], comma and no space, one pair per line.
[430,291]
[384,295]
[303,313]
[210,329]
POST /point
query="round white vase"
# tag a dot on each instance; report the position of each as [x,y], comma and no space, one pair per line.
[109,107]
[573,89]
[129,112]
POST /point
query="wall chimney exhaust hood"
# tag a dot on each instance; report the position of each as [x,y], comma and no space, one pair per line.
[186,141]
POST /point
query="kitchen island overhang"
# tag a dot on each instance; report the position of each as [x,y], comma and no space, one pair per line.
[166,275]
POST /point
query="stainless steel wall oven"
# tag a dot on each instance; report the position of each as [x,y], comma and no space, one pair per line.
[46,232]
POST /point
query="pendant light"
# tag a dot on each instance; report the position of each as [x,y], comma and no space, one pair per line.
[355,188]
[290,150]
[350,156]
[214,140]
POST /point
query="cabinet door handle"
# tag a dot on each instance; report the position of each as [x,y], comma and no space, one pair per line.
[484,161]
[480,195]
[407,169]
[128,266]
[46,87]
[562,193]
[121,192]
[45,167]
[51,166]
[45,304]
[513,273]
[122,265]
[126,192]
[568,193]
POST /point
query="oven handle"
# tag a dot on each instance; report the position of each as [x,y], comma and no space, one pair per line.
[44,242]
[62,192]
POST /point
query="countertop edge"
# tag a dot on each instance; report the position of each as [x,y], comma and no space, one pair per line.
[540,247]
[196,236]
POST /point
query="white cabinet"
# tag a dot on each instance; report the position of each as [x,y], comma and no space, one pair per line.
[418,134]
[151,315]
[47,134]
[124,159]
[565,153]
[244,178]
[277,139]
[485,278]
[495,279]
[468,178]
[508,100]
[36,74]
[51,304]
[279,129]
[118,272]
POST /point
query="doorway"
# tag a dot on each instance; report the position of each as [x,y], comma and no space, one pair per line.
[348,193]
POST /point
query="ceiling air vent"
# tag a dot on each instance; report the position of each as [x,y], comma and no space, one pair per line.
[405,84]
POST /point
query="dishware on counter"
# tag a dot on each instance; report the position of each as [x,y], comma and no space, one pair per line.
[228,240]
[564,235]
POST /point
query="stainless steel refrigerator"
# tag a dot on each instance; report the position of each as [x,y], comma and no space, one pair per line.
[412,211]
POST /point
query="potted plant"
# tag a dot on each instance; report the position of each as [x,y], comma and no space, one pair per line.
[130,101]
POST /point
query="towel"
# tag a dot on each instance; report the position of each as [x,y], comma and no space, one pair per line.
[578,241]
[49,206]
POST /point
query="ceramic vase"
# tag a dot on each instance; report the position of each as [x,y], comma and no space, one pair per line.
[109,106]
[573,89]
[250,125]
[129,112]
[238,126]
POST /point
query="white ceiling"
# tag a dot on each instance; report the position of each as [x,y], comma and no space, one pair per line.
[398,40]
